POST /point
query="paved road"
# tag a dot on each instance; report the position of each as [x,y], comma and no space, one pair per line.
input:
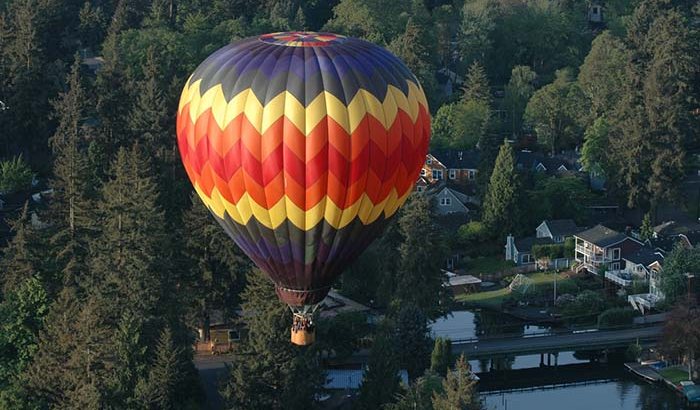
[557,342]
[211,369]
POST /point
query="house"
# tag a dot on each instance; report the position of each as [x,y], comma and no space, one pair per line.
[422,184]
[449,201]
[549,232]
[526,160]
[520,250]
[433,170]
[601,248]
[461,284]
[637,267]
[644,302]
[451,165]
[557,229]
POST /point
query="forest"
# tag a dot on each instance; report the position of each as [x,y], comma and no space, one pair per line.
[104,280]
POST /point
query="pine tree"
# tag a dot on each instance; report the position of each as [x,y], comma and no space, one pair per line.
[646,231]
[380,383]
[71,353]
[21,257]
[441,356]
[130,364]
[476,85]
[71,209]
[422,251]
[459,390]
[111,96]
[268,372]
[412,341]
[130,262]
[164,383]
[501,204]
[217,267]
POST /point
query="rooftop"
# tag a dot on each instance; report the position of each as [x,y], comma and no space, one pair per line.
[526,244]
[645,256]
[458,159]
[601,236]
[562,227]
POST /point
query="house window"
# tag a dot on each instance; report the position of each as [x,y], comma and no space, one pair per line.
[445,201]
[429,161]
[437,174]
[453,173]
[419,189]
[422,172]
[527,258]
[471,174]
[615,266]
[616,253]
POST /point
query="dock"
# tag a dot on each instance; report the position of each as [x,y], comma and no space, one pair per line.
[644,371]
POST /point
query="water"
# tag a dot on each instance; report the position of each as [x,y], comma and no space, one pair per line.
[624,392]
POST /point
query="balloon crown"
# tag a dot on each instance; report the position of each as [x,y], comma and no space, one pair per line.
[302,39]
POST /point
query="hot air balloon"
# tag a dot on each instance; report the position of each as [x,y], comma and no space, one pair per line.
[303,145]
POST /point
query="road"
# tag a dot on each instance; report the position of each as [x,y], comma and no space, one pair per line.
[211,369]
[557,342]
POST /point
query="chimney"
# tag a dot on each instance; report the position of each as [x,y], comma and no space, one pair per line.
[510,247]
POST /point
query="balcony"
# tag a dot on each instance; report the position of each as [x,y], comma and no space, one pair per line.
[620,277]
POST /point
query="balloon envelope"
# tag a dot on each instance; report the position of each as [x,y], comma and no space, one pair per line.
[302,145]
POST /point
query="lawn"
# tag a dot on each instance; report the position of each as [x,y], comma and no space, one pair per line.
[485,265]
[494,298]
[674,374]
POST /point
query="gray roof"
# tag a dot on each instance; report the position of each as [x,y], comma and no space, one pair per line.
[644,256]
[601,236]
[562,227]
[525,244]
[456,159]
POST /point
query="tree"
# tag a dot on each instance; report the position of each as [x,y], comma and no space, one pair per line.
[380,383]
[559,197]
[441,356]
[418,396]
[459,389]
[602,74]
[164,386]
[501,208]
[681,335]
[594,154]
[478,21]
[412,341]
[217,268]
[420,279]
[652,122]
[674,283]
[21,317]
[518,91]
[22,259]
[552,112]
[71,209]
[476,85]
[269,372]
[129,260]
[646,231]
[15,175]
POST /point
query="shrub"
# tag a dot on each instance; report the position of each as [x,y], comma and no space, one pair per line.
[15,175]
[615,317]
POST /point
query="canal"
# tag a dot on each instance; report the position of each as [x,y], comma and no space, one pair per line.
[601,386]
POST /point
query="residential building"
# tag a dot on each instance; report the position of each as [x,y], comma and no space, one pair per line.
[558,230]
[637,267]
[520,250]
[601,249]
[450,201]
[451,165]
[527,160]
[644,302]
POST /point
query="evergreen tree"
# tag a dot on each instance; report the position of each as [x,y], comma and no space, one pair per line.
[21,256]
[419,395]
[501,208]
[441,356]
[594,154]
[130,262]
[130,364]
[71,209]
[71,354]
[476,85]
[412,341]
[422,251]
[459,389]
[380,383]
[217,267]
[646,231]
[518,91]
[268,372]
[164,385]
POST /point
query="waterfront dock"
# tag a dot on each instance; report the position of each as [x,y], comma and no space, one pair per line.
[646,372]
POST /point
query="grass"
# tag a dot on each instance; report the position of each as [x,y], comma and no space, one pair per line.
[674,375]
[494,298]
[485,265]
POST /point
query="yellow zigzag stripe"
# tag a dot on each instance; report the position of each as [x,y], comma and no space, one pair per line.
[305,119]
[285,209]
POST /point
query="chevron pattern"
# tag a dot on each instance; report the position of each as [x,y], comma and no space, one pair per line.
[302,145]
